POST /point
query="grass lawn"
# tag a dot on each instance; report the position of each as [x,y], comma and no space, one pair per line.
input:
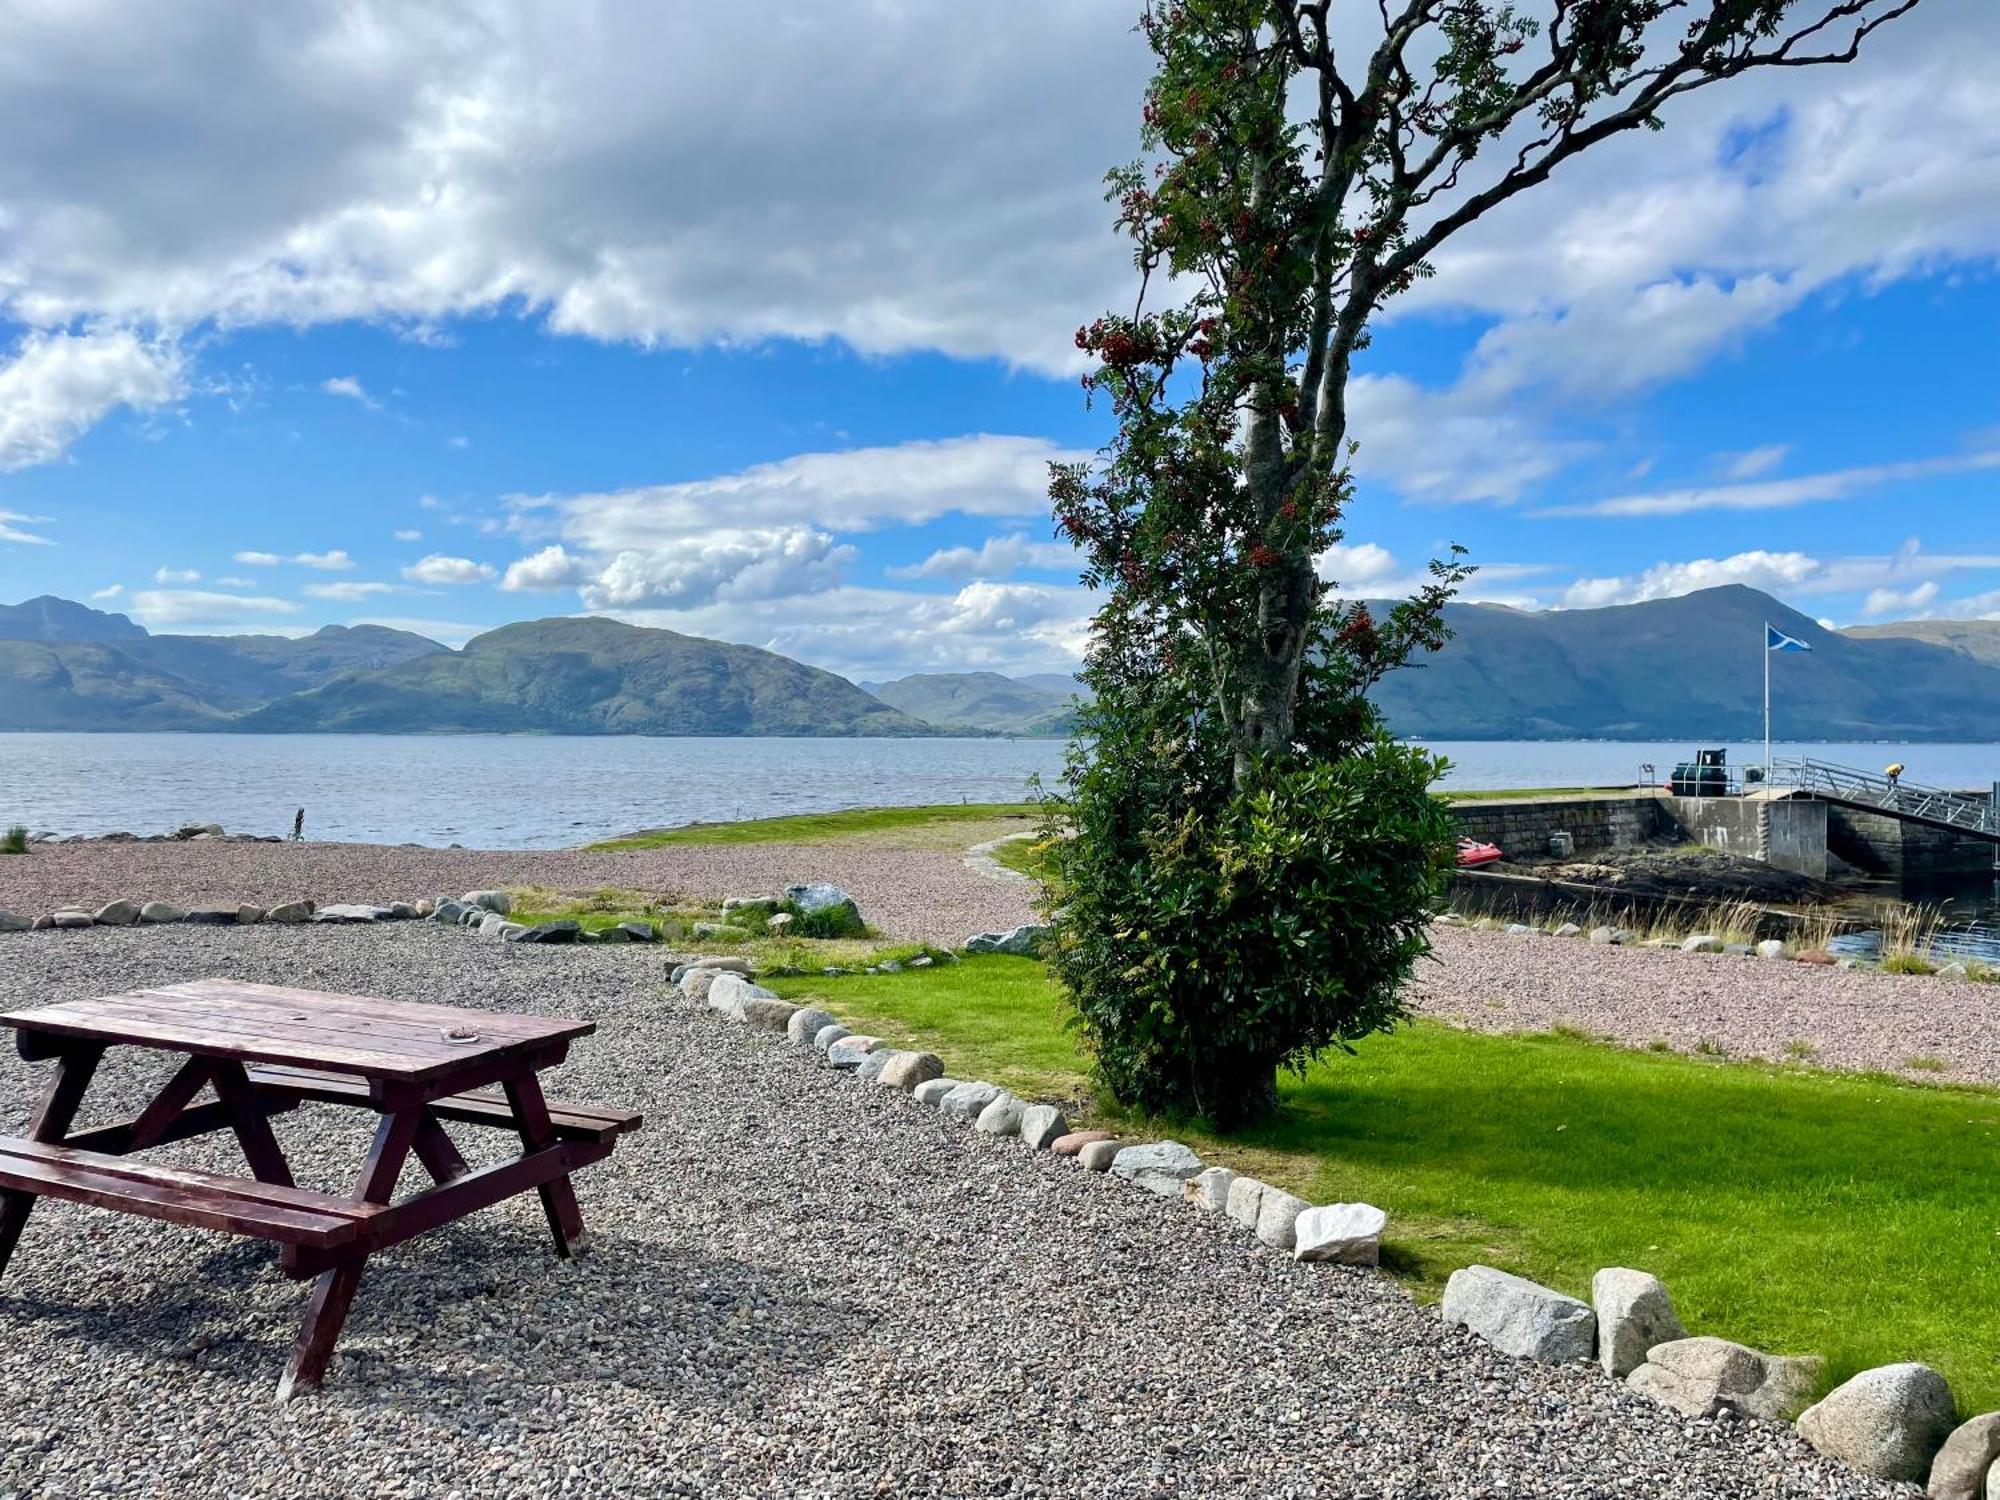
[918,825]
[1796,1210]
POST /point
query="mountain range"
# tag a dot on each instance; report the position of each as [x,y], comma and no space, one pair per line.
[1684,668]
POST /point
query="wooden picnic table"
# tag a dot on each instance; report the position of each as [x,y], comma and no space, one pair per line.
[265,1050]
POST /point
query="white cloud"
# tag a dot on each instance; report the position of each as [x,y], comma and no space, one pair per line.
[236,583]
[347,591]
[110,592]
[868,632]
[56,386]
[12,522]
[548,571]
[176,575]
[1777,494]
[409,536]
[157,607]
[996,557]
[1355,567]
[336,561]
[767,563]
[1900,601]
[1755,461]
[1907,572]
[351,389]
[438,568]
[258,559]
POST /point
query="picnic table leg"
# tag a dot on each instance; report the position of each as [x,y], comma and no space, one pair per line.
[252,1125]
[333,1292]
[50,1124]
[531,1116]
[437,1151]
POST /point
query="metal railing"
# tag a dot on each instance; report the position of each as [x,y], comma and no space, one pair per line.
[1891,795]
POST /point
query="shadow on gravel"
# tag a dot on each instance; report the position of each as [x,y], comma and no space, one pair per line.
[470,1311]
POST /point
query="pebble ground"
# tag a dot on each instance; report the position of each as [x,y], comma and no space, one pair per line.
[801,1285]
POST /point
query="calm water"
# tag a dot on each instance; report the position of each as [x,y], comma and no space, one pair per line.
[517,792]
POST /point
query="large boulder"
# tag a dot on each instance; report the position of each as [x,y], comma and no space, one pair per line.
[826,1036]
[1208,1189]
[495,901]
[1960,1470]
[731,994]
[1097,1156]
[162,911]
[356,911]
[1518,1317]
[290,913]
[1073,1143]
[1160,1167]
[1888,1422]
[1001,1117]
[1023,942]
[695,984]
[909,1071]
[846,1054]
[14,921]
[969,1100]
[766,1012]
[723,963]
[1246,1198]
[212,916]
[117,914]
[1703,942]
[564,931]
[825,910]
[1634,1313]
[933,1092]
[1703,1377]
[805,1024]
[1278,1217]
[1345,1234]
[1042,1125]
[71,916]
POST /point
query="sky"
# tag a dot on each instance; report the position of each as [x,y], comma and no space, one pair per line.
[757,323]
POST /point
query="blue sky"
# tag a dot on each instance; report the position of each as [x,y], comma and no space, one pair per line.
[638,317]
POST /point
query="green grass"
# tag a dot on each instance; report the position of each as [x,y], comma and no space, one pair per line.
[1030,857]
[14,840]
[823,828]
[1802,1211]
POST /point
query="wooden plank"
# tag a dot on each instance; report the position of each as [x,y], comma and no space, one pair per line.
[593,1122]
[210,1206]
[50,1122]
[346,1025]
[477,1190]
[171,1102]
[531,1112]
[437,1151]
[139,1014]
[253,1128]
[182,1037]
[513,1025]
[115,1139]
[191,1179]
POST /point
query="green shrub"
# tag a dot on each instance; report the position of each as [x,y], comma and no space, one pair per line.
[1907,963]
[14,841]
[1205,947]
[827,922]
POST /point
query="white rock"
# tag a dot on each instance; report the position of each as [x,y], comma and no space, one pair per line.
[1888,1422]
[1209,1189]
[780,924]
[969,1100]
[1278,1216]
[826,1036]
[290,912]
[932,1092]
[1606,936]
[1634,1313]
[1518,1317]
[1961,1469]
[1245,1198]
[1770,949]
[162,911]
[1042,1125]
[1001,1117]
[1569,929]
[491,925]
[806,1024]
[361,911]
[117,914]
[846,1054]
[1701,1377]
[1097,1156]
[1159,1168]
[910,1071]
[725,963]
[1347,1234]
[1702,942]
[695,984]
[494,901]
[1022,942]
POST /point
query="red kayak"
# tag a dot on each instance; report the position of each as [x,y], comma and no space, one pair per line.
[1472,854]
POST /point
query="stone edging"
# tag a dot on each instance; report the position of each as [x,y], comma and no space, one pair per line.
[979,859]
[1895,1422]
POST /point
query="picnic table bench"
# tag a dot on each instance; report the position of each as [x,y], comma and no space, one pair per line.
[264,1051]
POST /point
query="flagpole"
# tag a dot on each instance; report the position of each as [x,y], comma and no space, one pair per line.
[1767,701]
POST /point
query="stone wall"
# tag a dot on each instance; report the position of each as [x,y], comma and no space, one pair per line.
[1908,853]
[1523,828]
[1788,833]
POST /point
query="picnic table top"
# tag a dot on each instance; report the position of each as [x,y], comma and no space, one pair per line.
[354,1034]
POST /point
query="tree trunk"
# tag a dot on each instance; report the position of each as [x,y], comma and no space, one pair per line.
[1236,1089]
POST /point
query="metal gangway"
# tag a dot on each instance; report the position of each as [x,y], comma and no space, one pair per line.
[1866,791]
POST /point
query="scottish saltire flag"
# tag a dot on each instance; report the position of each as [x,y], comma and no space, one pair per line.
[1776,640]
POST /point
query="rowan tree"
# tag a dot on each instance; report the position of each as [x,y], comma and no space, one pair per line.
[1255,860]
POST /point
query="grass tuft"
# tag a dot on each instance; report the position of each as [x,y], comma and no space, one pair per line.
[14,840]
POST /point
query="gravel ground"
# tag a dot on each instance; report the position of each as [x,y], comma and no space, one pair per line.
[801,1286]
[918,895]
[1857,1019]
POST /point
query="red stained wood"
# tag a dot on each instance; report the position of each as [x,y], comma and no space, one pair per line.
[572,1121]
[388,1040]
